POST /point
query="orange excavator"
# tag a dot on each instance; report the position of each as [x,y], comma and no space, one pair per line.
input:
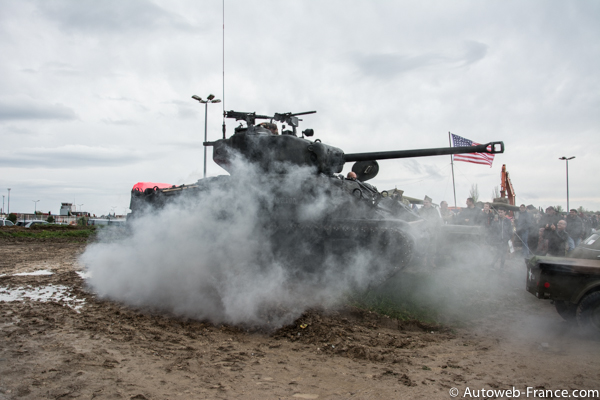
[506,187]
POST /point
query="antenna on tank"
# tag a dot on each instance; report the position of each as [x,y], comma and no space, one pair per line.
[224,128]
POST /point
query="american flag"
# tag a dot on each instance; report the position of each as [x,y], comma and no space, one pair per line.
[475,158]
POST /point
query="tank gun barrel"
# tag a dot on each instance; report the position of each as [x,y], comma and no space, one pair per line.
[491,148]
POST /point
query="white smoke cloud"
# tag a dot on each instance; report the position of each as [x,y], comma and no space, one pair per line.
[247,250]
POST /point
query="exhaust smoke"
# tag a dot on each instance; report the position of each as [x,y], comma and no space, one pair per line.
[245,251]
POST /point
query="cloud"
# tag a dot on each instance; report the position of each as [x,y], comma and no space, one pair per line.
[186,109]
[20,110]
[185,145]
[69,156]
[388,65]
[421,170]
[111,16]
[54,68]
[521,73]
[473,53]
[17,130]
[124,122]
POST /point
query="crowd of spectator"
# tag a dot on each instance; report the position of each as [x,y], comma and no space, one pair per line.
[537,232]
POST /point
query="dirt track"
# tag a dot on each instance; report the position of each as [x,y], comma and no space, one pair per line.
[70,348]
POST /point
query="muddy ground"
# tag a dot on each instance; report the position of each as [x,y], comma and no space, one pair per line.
[77,346]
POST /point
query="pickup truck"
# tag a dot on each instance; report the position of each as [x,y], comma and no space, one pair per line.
[572,283]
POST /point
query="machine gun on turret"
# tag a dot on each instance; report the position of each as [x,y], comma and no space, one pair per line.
[288,118]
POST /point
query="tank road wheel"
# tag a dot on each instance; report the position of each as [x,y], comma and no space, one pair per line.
[391,248]
[565,309]
[588,313]
[304,248]
[397,246]
[298,247]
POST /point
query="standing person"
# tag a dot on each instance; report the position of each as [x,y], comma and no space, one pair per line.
[548,220]
[500,233]
[487,216]
[429,213]
[447,214]
[469,215]
[533,228]
[594,221]
[557,239]
[587,224]
[433,221]
[524,222]
[574,228]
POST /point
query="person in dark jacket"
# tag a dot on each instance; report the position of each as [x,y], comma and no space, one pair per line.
[549,218]
[594,221]
[523,223]
[557,239]
[574,227]
[469,215]
[587,224]
[487,216]
[547,221]
[500,233]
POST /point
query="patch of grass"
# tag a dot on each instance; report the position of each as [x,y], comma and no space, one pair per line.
[394,306]
[49,232]
[427,296]
[451,295]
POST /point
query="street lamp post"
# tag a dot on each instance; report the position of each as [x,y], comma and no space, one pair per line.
[567,160]
[8,201]
[209,99]
[3,196]
[35,209]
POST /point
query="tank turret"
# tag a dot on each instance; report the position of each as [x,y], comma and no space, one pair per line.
[263,145]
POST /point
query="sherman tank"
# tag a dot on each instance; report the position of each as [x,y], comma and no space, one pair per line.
[322,215]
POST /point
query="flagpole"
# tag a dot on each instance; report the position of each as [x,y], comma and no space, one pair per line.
[452,164]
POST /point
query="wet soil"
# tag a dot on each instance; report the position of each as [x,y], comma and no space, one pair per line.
[98,349]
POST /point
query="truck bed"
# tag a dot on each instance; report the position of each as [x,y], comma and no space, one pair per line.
[567,264]
[561,278]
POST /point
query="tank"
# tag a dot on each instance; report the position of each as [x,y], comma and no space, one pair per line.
[350,215]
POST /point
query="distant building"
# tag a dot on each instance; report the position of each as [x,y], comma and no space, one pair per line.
[66,208]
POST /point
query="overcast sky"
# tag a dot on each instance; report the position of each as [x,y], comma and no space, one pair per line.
[96,95]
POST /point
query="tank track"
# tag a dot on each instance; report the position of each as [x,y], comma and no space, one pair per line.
[309,245]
